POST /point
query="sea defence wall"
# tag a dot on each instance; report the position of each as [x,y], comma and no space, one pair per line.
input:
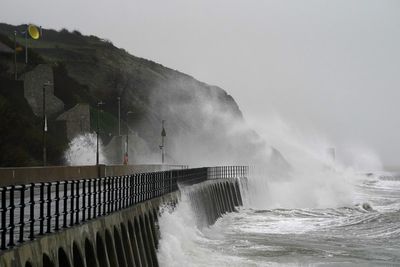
[128,235]
[212,199]
[125,238]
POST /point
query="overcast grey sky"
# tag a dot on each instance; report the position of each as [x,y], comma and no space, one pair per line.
[328,65]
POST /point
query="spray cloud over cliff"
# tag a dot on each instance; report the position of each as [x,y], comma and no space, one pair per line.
[294,169]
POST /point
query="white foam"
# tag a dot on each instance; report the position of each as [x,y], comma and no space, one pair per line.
[82,151]
[183,244]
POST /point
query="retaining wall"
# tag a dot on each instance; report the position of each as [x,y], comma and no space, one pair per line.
[125,238]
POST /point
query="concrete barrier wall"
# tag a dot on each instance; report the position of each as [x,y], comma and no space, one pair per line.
[211,199]
[14,176]
[125,238]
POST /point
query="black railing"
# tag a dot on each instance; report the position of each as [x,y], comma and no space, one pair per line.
[223,172]
[35,209]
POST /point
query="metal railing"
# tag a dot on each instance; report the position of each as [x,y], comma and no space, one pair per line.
[32,210]
[222,172]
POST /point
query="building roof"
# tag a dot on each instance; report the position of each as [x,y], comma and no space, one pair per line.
[5,49]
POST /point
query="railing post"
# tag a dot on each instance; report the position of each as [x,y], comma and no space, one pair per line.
[41,209]
[22,214]
[109,195]
[90,198]
[11,225]
[48,202]
[77,196]
[83,200]
[3,217]
[94,198]
[32,211]
[142,186]
[57,212]
[136,186]
[104,202]
[122,192]
[65,204]
[127,190]
[72,199]
[153,185]
[118,192]
[99,198]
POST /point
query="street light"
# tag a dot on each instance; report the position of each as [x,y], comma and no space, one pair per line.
[162,147]
[97,132]
[119,116]
[15,56]
[44,122]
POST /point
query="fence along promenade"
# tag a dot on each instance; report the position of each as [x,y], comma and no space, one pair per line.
[32,210]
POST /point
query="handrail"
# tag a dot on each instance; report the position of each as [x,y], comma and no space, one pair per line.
[35,209]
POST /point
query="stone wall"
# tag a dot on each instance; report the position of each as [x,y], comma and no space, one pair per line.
[33,90]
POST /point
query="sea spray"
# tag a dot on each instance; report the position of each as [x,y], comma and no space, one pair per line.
[301,189]
[82,151]
[183,242]
[311,177]
[180,236]
[296,193]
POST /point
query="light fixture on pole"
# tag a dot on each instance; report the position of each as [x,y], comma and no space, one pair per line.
[98,130]
[33,32]
[162,147]
[45,123]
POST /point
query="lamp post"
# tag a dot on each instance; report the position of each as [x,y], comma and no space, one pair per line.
[162,147]
[44,123]
[98,130]
[15,56]
[119,116]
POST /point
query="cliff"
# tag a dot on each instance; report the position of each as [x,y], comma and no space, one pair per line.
[202,121]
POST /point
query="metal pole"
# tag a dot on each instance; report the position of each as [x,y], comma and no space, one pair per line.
[127,149]
[126,156]
[119,116]
[44,124]
[97,132]
[26,45]
[162,150]
[163,134]
[97,136]
[15,55]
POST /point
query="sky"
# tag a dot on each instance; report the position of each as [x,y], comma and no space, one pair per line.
[327,66]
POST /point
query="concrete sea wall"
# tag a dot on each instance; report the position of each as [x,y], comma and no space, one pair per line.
[125,238]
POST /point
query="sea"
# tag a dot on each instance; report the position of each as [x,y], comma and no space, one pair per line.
[324,218]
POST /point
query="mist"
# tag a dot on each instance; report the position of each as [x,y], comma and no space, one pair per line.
[332,66]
